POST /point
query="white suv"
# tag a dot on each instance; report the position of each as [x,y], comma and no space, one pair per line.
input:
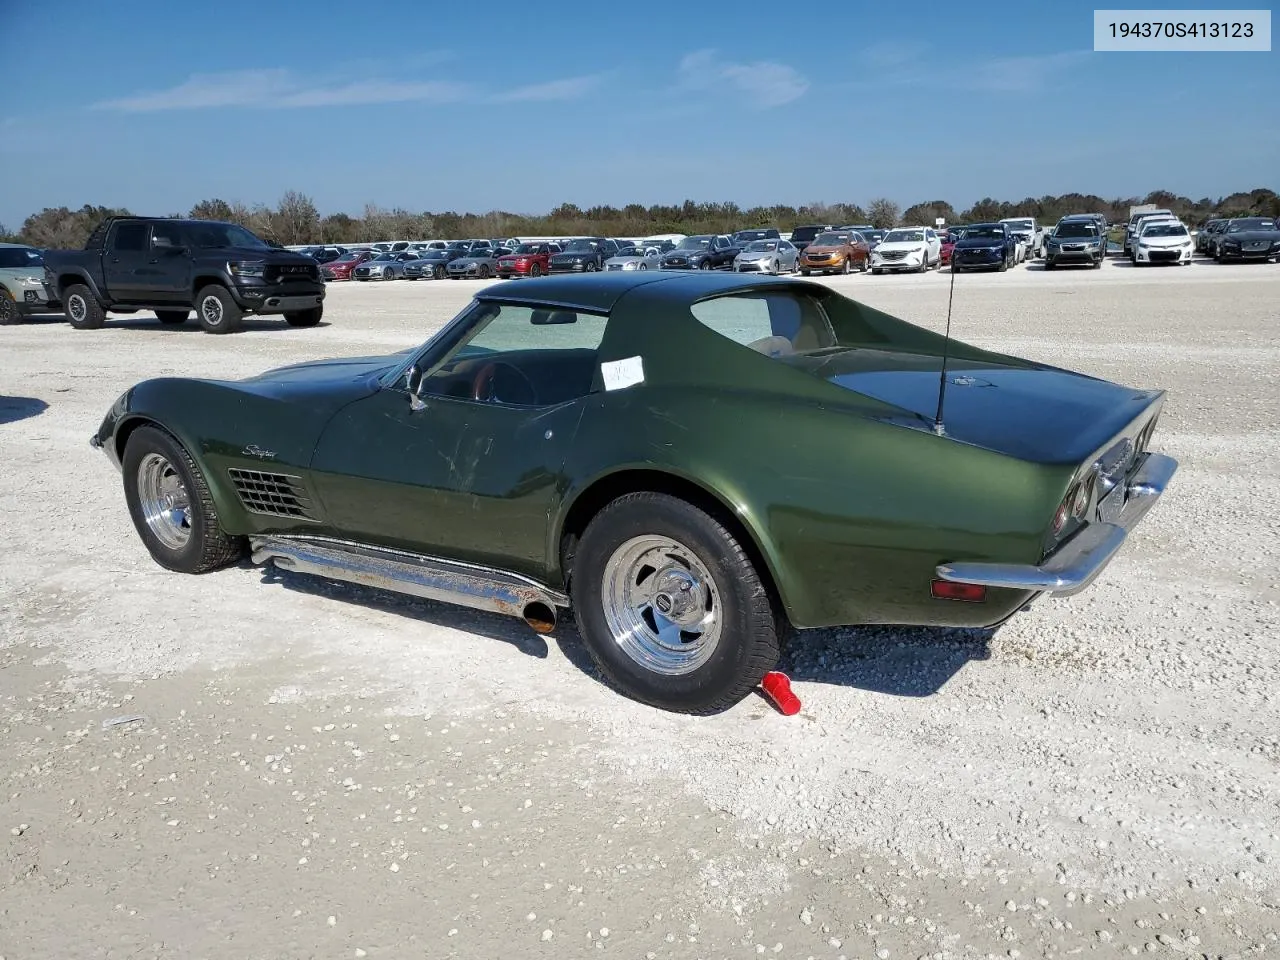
[907,248]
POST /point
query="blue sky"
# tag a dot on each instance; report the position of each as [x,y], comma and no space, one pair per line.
[521,106]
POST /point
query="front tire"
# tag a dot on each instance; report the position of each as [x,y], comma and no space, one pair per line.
[172,317]
[8,308]
[217,311]
[171,506]
[304,318]
[82,307]
[671,607]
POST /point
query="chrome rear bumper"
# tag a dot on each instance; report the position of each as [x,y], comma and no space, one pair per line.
[1079,561]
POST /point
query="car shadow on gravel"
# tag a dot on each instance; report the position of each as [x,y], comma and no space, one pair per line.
[13,409]
[150,323]
[900,661]
[493,626]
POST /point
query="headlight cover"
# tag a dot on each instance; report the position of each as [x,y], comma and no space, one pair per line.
[246,268]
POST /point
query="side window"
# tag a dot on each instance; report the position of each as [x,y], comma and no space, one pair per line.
[129,237]
[521,356]
[165,235]
[775,324]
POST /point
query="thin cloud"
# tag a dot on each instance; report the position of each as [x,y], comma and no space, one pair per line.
[282,89]
[890,53]
[570,88]
[1029,74]
[763,83]
[375,91]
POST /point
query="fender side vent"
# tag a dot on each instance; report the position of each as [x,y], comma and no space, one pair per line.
[273,494]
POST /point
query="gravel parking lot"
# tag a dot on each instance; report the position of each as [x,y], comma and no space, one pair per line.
[319,770]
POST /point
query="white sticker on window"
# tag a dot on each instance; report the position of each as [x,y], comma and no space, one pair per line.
[622,373]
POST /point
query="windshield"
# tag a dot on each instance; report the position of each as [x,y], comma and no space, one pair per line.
[875,235]
[1165,230]
[211,236]
[1076,228]
[526,248]
[20,257]
[745,236]
[832,239]
[1251,223]
[984,231]
[904,236]
[349,257]
[459,245]
[1020,224]
[694,243]
[383,256]
[437,254]
[581,246]
[805,234]
[762,246]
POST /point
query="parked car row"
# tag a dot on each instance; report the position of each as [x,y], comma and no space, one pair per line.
[1239,238]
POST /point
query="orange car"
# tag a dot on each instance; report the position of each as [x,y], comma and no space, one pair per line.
[835,251]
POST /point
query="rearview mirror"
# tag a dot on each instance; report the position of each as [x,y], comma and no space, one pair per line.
[544,317]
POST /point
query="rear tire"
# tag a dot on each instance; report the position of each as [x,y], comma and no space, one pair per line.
[650,561]
[217,311]
[82,308]
[304,318]
[171,506]
[172,317]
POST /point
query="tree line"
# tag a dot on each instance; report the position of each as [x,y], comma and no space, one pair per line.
[296,220]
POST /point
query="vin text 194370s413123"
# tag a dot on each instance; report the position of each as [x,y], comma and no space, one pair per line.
[694,462]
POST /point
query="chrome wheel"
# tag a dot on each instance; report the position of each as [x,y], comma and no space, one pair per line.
[166,506]
[661,605]
[77,309]
[211,310]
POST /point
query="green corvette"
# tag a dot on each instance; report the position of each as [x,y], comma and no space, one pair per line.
[695,463]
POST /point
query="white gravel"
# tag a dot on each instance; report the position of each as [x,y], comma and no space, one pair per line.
[1104,773]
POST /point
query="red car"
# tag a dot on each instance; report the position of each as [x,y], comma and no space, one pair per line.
[948,244]
[341,268]
[527,260]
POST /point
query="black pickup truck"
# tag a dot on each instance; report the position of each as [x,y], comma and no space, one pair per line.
[221,270]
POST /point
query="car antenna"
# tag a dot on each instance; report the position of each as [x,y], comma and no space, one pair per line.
[938,428]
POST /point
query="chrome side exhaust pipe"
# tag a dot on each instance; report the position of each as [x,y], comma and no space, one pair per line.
[539,616]
[430,578]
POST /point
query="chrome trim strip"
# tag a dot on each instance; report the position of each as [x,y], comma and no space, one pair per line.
[1078,562]
[432,578]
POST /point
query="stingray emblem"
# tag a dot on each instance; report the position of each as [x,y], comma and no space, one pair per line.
[253,450]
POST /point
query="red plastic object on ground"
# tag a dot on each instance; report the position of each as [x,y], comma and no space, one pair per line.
[777,687]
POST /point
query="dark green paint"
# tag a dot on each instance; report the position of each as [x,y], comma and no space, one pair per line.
[851,499]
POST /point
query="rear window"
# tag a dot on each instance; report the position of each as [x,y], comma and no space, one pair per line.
[775,324]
